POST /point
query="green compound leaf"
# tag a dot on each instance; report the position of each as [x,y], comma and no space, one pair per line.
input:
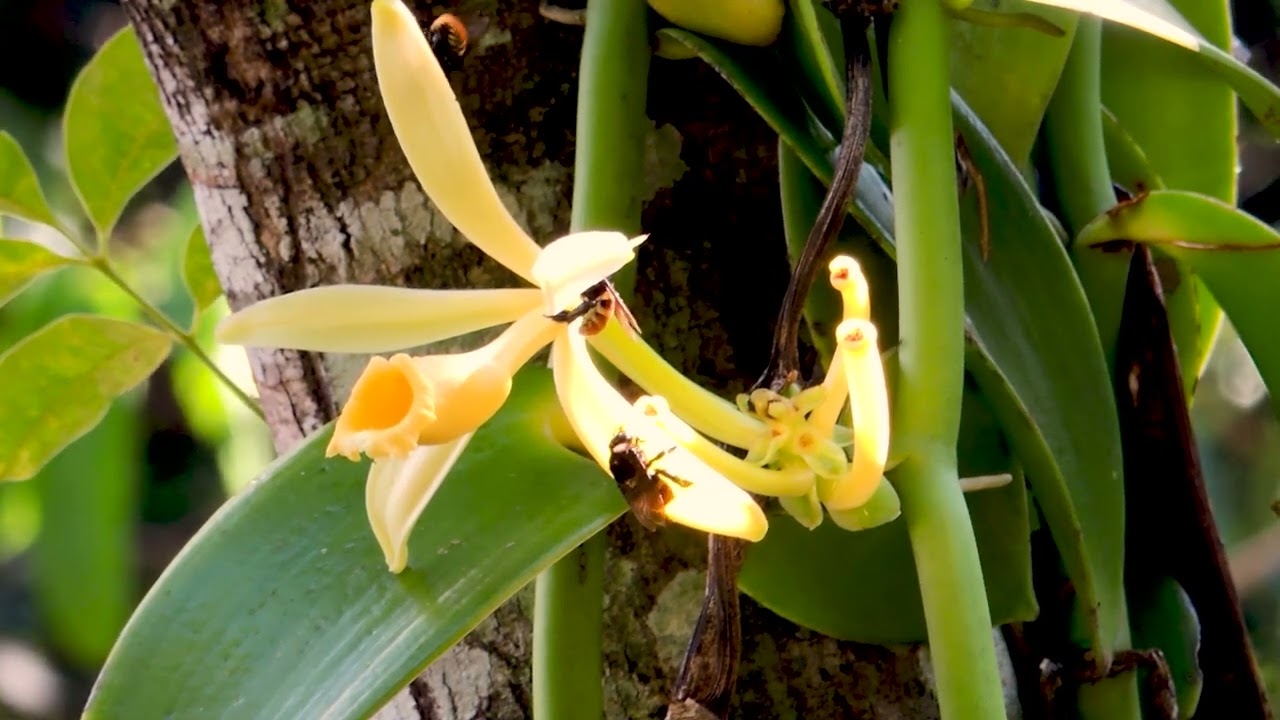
[197,271]
[60,381]
[20,193]
[21,262]
[116,134]
[282,606]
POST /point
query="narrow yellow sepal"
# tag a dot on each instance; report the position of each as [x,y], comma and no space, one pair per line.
[398,490]
[371,318]
[436,139]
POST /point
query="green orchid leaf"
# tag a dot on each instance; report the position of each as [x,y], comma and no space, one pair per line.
[282,606]
[60,380]
[1035,353]
[806,29]
[20,192]
[1007,74]
[21,262]
[116,133]
[197,271]
[1164,618]
[1161,19]
[754,74]
[862,586]
[1190,143]
[1237,257]
[1130,167]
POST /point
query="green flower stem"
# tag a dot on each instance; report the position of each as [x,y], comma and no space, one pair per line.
[931,369]
[103,265]
[608,173]
[567,635]
[1078,158]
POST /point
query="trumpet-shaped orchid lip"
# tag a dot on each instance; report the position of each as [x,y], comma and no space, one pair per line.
[390,405]
[398,490]
[701,497]
[568,266]
[403,402]
[436,140]
[371,318]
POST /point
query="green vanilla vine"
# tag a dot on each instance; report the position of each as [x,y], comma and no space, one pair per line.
[931,364]
[608,177]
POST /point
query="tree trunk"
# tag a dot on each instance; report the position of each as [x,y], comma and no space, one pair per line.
[299,182]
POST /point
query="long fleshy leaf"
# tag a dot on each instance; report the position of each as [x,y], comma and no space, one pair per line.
[1046,379]
[1236,256]
[1161,19]
[282,607]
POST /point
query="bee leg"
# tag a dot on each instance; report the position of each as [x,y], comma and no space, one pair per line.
[568,316]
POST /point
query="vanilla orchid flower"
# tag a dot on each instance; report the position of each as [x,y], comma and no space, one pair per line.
[413,416]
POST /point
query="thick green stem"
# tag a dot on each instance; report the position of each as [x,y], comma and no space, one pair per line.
[567,632]
[1078,158]
[931,357]
[608,175]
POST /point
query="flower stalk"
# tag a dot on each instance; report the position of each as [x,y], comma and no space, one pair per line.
[931,364]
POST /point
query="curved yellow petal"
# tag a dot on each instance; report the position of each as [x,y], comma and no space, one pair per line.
[435,138]
[701,498]
[398,490]
[710,414]
[848,280]
[568,266]
[794,481]
[869,402]
[371,318]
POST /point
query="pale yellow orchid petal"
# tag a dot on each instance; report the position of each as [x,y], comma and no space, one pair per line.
[701,497]
[371,318]
[869,401]
[568,266]
[435,138]
[710,414]
[752,478]
[398,490]
[402,402]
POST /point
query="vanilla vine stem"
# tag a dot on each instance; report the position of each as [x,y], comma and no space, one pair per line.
[607,186]
[931,364]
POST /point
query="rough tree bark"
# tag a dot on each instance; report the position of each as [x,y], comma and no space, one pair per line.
[299,182]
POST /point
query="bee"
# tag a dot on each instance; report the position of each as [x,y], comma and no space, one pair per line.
[640,482]
[599,303]
[450,38]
